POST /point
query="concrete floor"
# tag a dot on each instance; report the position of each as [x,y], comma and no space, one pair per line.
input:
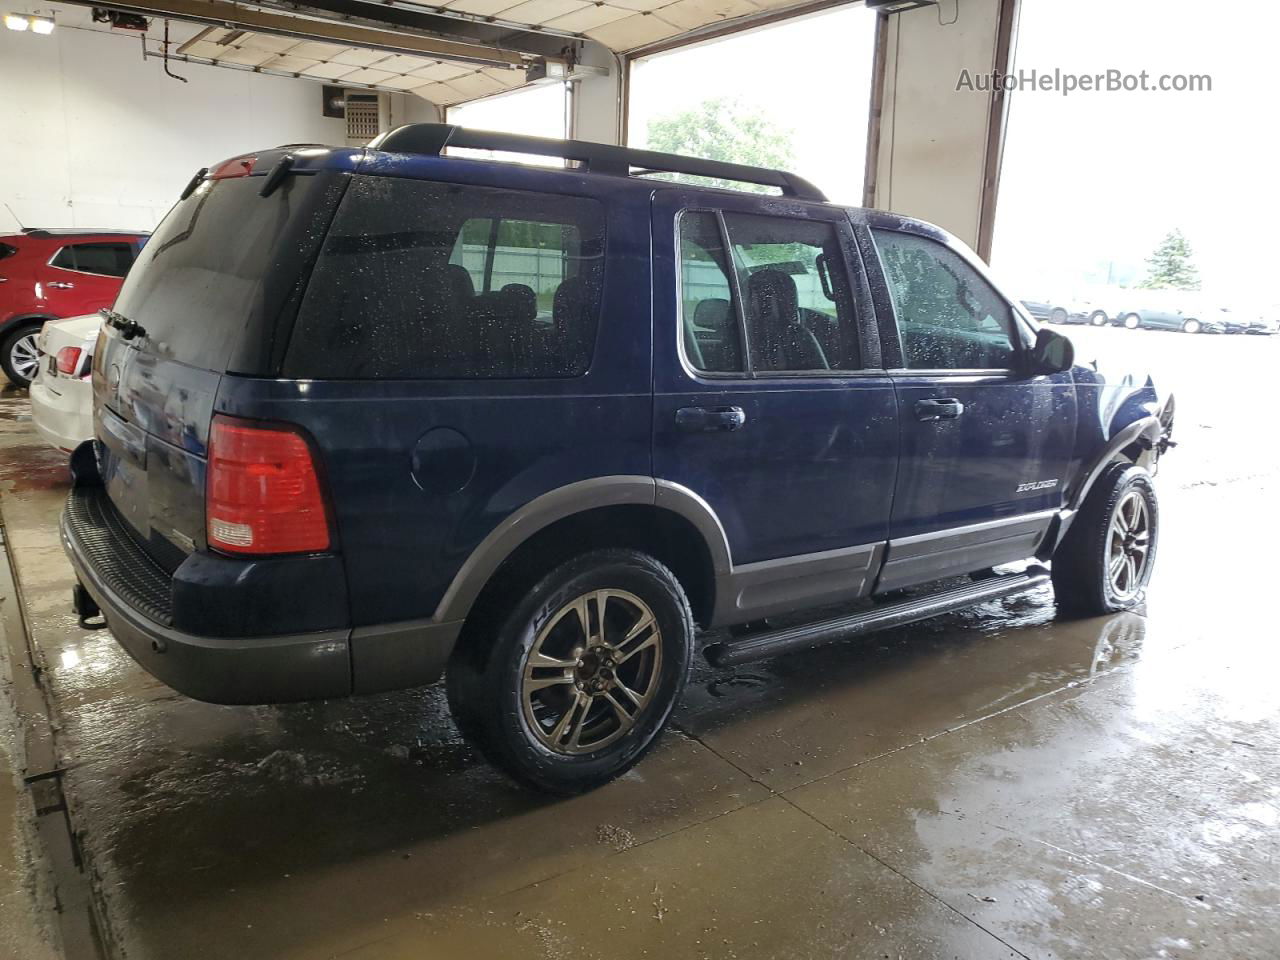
[990,784]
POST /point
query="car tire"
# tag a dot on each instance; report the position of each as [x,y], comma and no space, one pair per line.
[1131,321]
[1191,326]
[1104,562]
[18,356]
[1098,318]
[1057,315]
[564,707]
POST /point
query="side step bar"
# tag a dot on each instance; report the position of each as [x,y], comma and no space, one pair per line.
[771,643]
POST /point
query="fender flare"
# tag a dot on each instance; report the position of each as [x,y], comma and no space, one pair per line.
[564,502]
[1145,430]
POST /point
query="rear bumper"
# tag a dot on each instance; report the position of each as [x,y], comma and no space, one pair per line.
[219,670]
[135,597]
[63,419]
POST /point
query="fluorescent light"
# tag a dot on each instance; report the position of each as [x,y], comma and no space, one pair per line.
[42,25]
[15,22]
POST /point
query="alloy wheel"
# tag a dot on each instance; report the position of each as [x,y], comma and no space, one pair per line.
[1129,545]
[592,671]
[24,356]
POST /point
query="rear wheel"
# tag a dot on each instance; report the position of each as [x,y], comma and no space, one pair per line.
[1104,563]
[1057,315]
[1132,321]
[19,356]
[1191,326]
[581,676]
[1098,318]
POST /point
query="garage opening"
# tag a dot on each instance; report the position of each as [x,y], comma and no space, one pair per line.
[1100,188]
[793,95]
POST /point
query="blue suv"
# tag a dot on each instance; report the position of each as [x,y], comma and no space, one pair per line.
[367,417]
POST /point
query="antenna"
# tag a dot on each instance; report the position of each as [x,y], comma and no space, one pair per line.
[15,217]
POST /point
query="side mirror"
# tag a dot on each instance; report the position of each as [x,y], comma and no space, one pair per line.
[1052,353]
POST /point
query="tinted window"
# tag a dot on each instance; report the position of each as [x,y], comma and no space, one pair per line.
[105,259]
[7,251]
[712,339]
[949,317]
[431,280]
[222,263]
[792,276]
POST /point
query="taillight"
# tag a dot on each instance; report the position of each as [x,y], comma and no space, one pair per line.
[262,492]
[68,360]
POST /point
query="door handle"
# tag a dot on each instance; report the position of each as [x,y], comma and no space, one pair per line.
[946,408]
[707,420]
[60,285]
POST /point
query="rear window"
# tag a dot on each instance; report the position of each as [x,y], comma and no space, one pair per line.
[222,263]
[424,280]
[104,259]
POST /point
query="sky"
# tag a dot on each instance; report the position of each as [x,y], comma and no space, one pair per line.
[1091,182]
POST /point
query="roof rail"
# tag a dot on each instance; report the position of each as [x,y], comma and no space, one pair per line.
[432,138]
[79,231]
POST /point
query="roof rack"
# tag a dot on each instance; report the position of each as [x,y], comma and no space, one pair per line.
[432,138]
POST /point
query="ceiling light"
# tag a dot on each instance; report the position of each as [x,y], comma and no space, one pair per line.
[15,22]
[42,25]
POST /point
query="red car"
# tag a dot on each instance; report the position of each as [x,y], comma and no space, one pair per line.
[52,274]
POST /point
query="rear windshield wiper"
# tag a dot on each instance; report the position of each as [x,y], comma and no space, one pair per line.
[128,328]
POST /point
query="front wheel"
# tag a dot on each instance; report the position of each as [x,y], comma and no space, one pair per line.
[19,355]
[1191,326]
[1132,321]
[582,675]
[1104,562]
[1057,315]
[1098,318]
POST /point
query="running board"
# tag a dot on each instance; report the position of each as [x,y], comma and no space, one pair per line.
[771,643]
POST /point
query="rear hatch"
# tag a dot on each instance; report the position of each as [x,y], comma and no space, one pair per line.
[212,293]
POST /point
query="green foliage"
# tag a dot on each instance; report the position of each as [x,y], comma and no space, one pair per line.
[1170,266]
[725,130]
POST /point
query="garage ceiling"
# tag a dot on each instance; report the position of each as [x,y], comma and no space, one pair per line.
[448,54]
[440,81]
[620,25]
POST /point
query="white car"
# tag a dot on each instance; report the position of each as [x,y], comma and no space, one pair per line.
[62,391]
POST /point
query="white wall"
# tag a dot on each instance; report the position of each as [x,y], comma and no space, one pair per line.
[93,135]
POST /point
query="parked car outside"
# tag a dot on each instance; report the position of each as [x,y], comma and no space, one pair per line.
[531,428]
[1098,306]
[62,391]
[1170,310]
[1039,309]
[51,275]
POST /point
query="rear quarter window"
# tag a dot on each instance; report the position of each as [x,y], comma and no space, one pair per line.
[7,250]
[102,259]
[425,280]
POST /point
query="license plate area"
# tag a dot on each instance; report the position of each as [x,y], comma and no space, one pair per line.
[124,469]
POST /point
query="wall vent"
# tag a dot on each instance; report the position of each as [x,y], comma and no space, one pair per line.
[362,118]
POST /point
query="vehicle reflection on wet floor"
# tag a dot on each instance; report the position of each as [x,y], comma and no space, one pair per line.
[988,784]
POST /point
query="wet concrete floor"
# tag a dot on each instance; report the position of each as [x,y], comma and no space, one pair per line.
[996,783]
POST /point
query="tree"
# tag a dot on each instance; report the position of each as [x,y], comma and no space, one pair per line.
[1170,266]
[723,129]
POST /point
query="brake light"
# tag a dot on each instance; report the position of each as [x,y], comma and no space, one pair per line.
[263,493]
[68,360]
[235,167]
